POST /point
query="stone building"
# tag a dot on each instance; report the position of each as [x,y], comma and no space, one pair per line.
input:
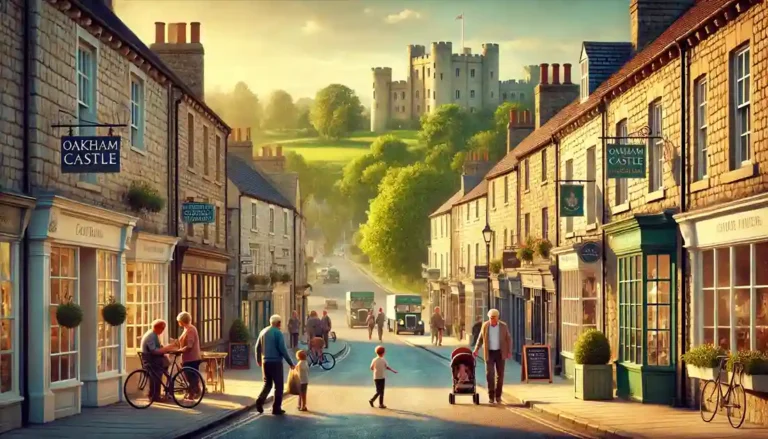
[443,77]
[439,265]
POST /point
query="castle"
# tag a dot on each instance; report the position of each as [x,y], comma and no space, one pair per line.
[443,77]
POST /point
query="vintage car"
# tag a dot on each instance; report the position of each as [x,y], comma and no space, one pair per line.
[332,276]
[331,304]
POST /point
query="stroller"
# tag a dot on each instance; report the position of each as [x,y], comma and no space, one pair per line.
[463,372]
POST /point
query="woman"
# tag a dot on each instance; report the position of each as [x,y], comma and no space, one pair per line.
[189,342]
[314,330]
[370,321]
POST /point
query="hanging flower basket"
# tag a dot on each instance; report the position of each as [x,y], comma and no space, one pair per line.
[543,247]
[69,314]
[114,313]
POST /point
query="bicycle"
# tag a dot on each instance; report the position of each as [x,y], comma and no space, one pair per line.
[138,386]
[327,361]
[734,400]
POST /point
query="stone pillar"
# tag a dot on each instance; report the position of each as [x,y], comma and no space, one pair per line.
[41,398]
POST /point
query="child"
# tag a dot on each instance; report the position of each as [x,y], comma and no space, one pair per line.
[303,369]
[463,375]
[379,367]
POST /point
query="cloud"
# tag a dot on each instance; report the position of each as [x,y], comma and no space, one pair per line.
[368,11]
[405,14]
[311,27]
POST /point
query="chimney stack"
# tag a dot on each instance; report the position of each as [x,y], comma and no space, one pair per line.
[544,74]
[159,32]
[555,74]
[650,18]
[186,59]
[567,74]
[520,129]
[549,99]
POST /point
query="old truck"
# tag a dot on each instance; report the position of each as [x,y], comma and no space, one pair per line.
[404,313]
[359,303]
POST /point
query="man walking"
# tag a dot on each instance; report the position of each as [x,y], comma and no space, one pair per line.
[270,353]
[380,319]
[496,342]
[438,324]
[293,329]
[326,325]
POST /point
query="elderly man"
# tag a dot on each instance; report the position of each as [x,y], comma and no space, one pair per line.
[293,328]
[437,324]
[153,356]
[270,353]
[496,342]
[381,318]
[326,325]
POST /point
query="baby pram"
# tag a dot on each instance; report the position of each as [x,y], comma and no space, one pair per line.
[463,357]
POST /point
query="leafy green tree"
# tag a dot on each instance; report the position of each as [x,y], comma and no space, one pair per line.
[449,124]
[336,111]
[491,142]
[501,115]
[391,149]
[240,108]
[281,113]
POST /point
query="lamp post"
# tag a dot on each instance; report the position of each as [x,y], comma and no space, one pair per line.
[487,234]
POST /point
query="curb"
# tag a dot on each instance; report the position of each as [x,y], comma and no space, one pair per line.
[236,412]
[546,412]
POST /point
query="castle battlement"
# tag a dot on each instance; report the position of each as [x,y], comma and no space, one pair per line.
[490,45]
[467,56]
[442,45]
[512,82]
[382,70]
[399,83]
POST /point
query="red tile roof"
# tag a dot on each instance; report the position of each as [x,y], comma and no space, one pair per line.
[479,191]
[682,27]
[446,207]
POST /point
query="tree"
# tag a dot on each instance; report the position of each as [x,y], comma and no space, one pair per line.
[448,124]
[391,149]
[491,142]
[336,111]
[501,115]
[245,108]
[281,113]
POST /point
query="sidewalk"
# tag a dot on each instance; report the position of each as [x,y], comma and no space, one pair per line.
[160,421]
[617,418]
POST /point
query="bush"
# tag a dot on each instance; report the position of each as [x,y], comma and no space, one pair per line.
[114,313]
[143,197]
[704,356]
[495,266]
[526,251]
[285,278]
[274,277]
[755,362]
[543,246]
[238,332]
[69,314]
[592,347]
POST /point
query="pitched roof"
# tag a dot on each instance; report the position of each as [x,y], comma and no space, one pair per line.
[251,182]
[111,21]
[446,207]
[478,191]
[286,183]
[682,27]
[604,59]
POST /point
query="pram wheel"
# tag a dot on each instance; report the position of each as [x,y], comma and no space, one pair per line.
[476,398]
[452,398]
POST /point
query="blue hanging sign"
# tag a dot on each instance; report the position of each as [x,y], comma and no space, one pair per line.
[90,154]
[198,213]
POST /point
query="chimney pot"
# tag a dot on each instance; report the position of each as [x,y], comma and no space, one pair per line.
[567,74]
[512,118]
[248,134]
[159,32]
[544,74]
[264,151]
[194,32]
[279,151]
[527,116]
[555,74]
[486,155]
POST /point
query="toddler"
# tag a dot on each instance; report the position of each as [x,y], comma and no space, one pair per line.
[379,366]
[463,375]
[303,369]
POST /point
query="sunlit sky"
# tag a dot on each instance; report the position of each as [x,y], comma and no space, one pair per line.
[302,46]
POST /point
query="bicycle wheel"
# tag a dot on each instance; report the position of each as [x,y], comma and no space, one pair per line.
[137,389]
[183,392]
[709,401]
[737,406]
[328,361]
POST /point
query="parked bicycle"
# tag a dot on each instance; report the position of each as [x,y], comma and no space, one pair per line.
[734,400]
[138,386]
[327,361]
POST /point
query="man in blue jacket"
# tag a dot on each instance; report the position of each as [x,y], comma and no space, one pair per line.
[270,353]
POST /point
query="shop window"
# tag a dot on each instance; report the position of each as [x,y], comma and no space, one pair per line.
[631,309]
[8,335]
[735,281]
[64,287]
[579,305]
[658,309]
[211,309]
[108,285]
[145,300]
[189,296]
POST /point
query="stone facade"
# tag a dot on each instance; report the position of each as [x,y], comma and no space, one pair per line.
[440,244]
[470,218]
[537,192]
[502,213]
[272,245]
[11,89]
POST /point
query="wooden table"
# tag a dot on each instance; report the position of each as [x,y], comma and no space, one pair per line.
[214,371]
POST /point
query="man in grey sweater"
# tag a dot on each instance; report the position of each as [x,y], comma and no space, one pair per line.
[270,353]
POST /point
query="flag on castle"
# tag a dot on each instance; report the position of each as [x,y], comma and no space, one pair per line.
[460,17]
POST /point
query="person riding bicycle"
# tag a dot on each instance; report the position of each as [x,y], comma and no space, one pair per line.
[153,356]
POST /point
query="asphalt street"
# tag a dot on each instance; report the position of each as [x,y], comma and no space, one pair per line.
[416,397]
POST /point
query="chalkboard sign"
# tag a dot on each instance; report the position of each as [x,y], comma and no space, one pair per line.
[239,356]
[537,363]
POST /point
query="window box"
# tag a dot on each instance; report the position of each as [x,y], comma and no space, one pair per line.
[755,383]
[702,373]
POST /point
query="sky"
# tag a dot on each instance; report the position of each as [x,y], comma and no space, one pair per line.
[302,46]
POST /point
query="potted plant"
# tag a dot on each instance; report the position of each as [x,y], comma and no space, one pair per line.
[543,247]
[69,314]
[274,277]
[114,313]
[593,376]
[525,252]
[495,266]
[755,376]
[238,332]
[142,197]
[252,280]
[285,278]
[701,361]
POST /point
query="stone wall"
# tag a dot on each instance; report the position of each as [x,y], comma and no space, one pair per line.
[503,216]
[440,243]
[11,92]
[539,195]
[262,236]
[470,233]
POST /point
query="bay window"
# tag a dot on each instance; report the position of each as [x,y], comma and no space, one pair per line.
[64,287]
[8,328]
[145,299]
[108,285]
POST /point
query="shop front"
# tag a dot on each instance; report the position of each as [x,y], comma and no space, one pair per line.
[458,307]
[540,305]
[15,212]
[77,254]
[257,308]
[645,267]
[579,283]
[476,303]
[440,296]
[147,269]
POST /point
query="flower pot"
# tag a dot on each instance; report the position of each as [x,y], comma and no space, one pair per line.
[702,373]
[593,382]
[755,383]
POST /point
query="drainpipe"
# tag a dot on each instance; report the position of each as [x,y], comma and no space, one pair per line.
[238,275]
[175,148]
[684,119]
[604,127]
[558,313]
[295,261]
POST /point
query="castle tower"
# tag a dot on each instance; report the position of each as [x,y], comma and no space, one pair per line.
[442,54]
[491,97]
[416,81]
[186,59]
[382,78]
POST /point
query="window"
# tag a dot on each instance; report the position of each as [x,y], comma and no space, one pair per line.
[286,253]
[254,216]
[191,140]
[442,230]
[700,122]
[472,73]
[469,258]
[394,96]
[491,94]
[417,93]
[544,165]
[137,112]
[527,175]
[505,237]
[218,158]
[512,96]
[527,224]
[591,195]
[622,184]
[477,253]
[584,80]
[504,96]
[472,94]
[656,150]
[285,222]
[545,223]
[255,251]
[491,74]
[209,306]
[569,176]
[631,309]
[402,95]
[271,220]
[741,93]
[145,299]
[108,284]
[477,209]
[429,72]
[441,76]
[522,96]
[457,72]
[418,108]
[467,207]
[579,305]
[458,94]
[416,74]
[8,327]
[64,287]
[735,285]
[86,95]
[493,194]
[206,160]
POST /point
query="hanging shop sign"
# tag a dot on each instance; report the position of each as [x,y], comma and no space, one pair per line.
[90,154]
[481,272]
[589,252]
[509,260]
[625,161]
[571,200]
[198,213]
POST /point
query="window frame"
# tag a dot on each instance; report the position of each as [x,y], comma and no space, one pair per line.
[138,105]
[700,106]
[527,173]
[656,146]
[74,334]
[109,275]
[621,185]
[471,94]
[206,153]
[254,216]
[87,112]
[739,157]
[12,281]
[190,140]
[271,220]
[506,189]
[544,165]
[584,79]
[458,94]
[572,301]
[151,297]
[285,223]
[545,223]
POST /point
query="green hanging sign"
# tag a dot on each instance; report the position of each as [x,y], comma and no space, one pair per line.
[571,200]
[625,161]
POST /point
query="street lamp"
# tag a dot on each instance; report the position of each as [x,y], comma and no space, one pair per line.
[487,235]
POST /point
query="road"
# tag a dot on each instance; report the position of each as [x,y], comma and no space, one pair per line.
[416,397]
